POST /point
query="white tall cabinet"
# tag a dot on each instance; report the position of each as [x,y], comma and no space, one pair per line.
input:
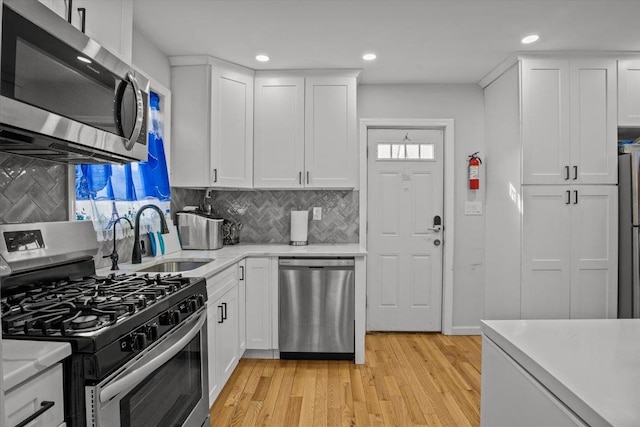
[212,124]
[305,130]
[551,208]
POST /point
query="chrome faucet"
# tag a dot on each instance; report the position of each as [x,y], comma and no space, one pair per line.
[114,254]
[136,256]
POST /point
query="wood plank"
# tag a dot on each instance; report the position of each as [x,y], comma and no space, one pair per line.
[409,379]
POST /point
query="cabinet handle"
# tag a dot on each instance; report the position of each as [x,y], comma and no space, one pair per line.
[242,272]
[300,177]
[44,407]
[221,315]
[575,173]
[70,11]
[215,175]
[566,169]
[307,177]
[224,311]
[575,192]
[83,11]
[568,197]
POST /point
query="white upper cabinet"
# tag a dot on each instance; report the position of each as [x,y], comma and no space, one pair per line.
[279,132]
[108,22]
[629,93]
[212,126]
[305,131]
[569,126]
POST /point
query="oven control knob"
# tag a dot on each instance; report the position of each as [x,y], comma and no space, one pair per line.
[166,319]
[139,340]
[152,332]
[200,299]
[193,305]
[175,315]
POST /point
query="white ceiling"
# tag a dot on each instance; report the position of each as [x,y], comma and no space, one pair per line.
[418,41]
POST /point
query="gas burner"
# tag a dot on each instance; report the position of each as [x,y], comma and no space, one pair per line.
[84,322]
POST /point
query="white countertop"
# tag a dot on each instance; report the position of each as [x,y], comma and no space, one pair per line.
[593,366]
[22,360]
[228,255]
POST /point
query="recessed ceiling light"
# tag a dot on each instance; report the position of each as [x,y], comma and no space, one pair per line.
[530,39]
[262,58]
[83,59]
[369,56]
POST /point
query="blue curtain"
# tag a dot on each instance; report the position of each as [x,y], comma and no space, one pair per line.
[134,181]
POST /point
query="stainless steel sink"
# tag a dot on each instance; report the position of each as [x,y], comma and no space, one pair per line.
[176,266]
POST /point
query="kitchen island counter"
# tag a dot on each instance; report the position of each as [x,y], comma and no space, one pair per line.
[592,366]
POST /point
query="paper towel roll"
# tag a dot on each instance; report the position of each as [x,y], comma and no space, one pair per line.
[299,225]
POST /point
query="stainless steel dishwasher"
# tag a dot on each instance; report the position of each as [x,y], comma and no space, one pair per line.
[317,306]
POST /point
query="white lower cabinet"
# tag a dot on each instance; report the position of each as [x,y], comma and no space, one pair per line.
[24,400]
[569,252]
[222,328]
[260,304]
[510,396]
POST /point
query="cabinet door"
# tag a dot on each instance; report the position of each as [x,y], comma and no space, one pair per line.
[546,252]
[594,262]
[258,304]
[594,132]
[214,315]
[330,132]
[279,132]
[109,22]
[227,336]
[242,293]
[545,121]
[189,126]
[231,128]
[58,6]
[629,93]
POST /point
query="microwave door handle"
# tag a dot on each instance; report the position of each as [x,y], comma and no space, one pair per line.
[137,375]
[139,111]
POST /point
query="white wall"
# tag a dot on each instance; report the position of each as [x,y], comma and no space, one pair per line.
[464,104]
[150,59]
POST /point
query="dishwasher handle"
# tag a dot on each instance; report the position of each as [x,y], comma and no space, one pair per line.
[316,262]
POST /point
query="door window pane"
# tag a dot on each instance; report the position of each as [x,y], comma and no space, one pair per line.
[405,151]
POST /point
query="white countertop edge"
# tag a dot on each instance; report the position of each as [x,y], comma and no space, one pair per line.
[23,359]
[567,396]
[229,255]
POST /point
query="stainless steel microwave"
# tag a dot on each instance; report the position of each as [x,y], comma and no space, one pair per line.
[63,97]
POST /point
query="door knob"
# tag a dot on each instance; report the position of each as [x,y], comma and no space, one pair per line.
[437,224]
[436,242]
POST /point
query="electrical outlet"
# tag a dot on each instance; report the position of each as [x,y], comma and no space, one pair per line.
[473,208]
[207,193]
[317,213]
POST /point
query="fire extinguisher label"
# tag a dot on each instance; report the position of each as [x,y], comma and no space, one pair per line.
[474,172]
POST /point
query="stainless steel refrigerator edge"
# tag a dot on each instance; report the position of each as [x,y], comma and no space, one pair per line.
[317,308]
[629,229]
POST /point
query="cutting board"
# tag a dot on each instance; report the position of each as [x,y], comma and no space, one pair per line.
[171,241]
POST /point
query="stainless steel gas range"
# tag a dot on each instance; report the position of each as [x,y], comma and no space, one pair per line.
[138,341]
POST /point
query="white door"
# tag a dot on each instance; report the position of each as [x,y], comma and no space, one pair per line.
[404,265]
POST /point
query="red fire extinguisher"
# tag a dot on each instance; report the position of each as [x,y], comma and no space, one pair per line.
[474,171]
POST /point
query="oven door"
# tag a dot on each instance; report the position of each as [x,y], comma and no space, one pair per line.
[165,386]
[59,83]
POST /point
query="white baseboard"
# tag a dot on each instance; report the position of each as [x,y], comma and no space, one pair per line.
[465,330]
[261,354]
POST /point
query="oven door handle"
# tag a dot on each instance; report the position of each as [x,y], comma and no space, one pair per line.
[139,374]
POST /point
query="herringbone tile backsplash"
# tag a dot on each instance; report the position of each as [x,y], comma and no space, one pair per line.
[266,215]
[32,190]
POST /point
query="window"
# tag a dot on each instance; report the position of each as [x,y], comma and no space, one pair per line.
[406,151]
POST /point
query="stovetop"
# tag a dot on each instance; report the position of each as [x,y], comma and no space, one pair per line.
[93,307]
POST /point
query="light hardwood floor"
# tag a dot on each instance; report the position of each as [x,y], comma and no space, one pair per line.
[408,379]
